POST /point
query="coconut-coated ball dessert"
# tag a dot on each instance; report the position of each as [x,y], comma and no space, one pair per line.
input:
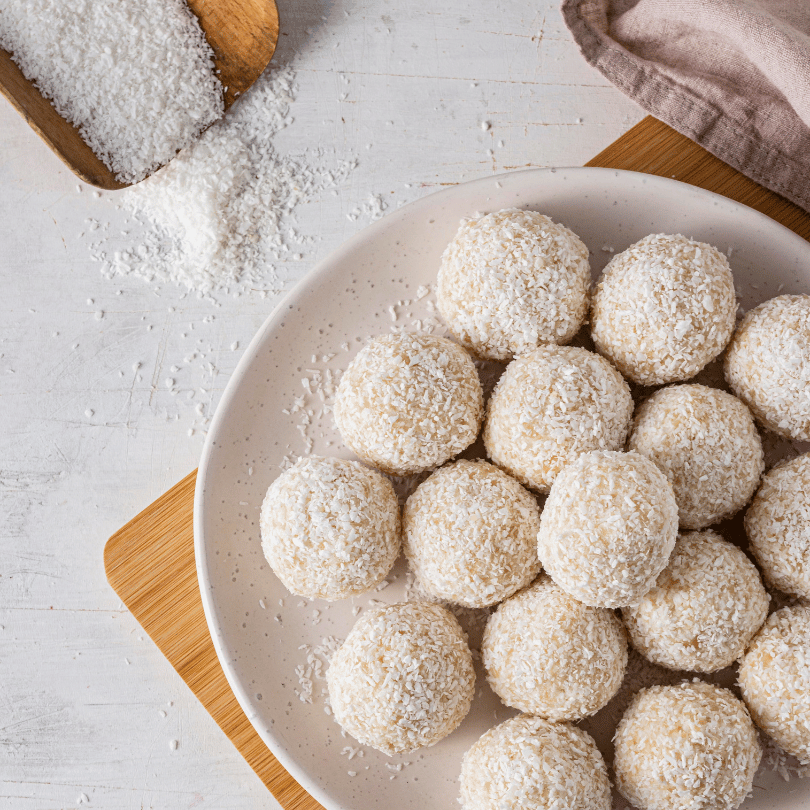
[778,527]
[664,308]
[768,364]
[548,654]
[704,608]
[330,528]
[686,747]
[408,403]
[404,677]
[706,443]
[469,532]
[528,762]
[513,280]
[608,528]
[775,680]
[549,406]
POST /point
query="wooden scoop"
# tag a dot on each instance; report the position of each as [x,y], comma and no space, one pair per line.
[242,34]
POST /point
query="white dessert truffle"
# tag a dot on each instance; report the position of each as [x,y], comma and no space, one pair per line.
[706,443]
[551,405]
[704,608]
[685,747]
[768,364]
[470,534]
[528,762]
[608,528]
[664,308]
[330,528]
[512,280]
[404,677]
[546,653]
[778,527]
[775,680]
[408,403]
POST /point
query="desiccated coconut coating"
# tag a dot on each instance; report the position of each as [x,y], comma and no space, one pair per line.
[768,364]
[408,403]
[330,527]
[546,653]
[470,534]
[778,526]
[664,308]
[551,405]
[404,677]
[512,280]
[608,528]
[704,608]
[686,747]
[528,763]
[706,443]
[775,680]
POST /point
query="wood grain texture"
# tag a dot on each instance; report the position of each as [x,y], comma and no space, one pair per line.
[150,562]
[242,34]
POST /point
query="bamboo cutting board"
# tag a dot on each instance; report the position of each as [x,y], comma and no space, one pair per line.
[150,561]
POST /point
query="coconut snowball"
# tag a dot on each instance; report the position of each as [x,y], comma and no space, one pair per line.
[512,280]
[686,747]
[529,762]
[664,308]
[551,405]
[404,677]
[470,534]
[608,528]
[778,527]
[704,608]
[547,654]
[775,680]
[408,403]
[330,528]
[768,364]
[706,443]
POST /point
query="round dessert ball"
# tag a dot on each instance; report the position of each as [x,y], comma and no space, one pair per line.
[664,308]
[470,534]
[330,528]
[608,528]
[404,677]
[775,680]
[512,280]
[768,364]
[529,762]
[685,747]
[704,608]
[778,527]
[551,405]
[547,654]
[706,443]
[408,403]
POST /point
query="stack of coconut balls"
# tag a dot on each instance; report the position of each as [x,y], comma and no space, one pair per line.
[622,549]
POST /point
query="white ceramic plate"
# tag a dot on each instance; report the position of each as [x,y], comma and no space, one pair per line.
[261,633]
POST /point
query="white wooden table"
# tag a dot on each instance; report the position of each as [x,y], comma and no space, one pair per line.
[90,434]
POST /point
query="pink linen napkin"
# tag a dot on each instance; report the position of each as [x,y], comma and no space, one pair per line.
[732,75]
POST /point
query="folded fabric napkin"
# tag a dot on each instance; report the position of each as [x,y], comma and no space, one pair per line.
[732,75]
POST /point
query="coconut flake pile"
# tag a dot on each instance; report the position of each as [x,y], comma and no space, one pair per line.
[136,79]
[778,527]
[768,364]
[528,762]
[512,280]
[547,654]
[706,443]
[684,747]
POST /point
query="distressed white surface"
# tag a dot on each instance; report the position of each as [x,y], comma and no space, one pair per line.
[86,441]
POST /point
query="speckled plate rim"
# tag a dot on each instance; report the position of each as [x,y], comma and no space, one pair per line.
[476,191]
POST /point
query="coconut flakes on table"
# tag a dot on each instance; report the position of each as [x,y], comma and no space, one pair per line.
[136,79]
